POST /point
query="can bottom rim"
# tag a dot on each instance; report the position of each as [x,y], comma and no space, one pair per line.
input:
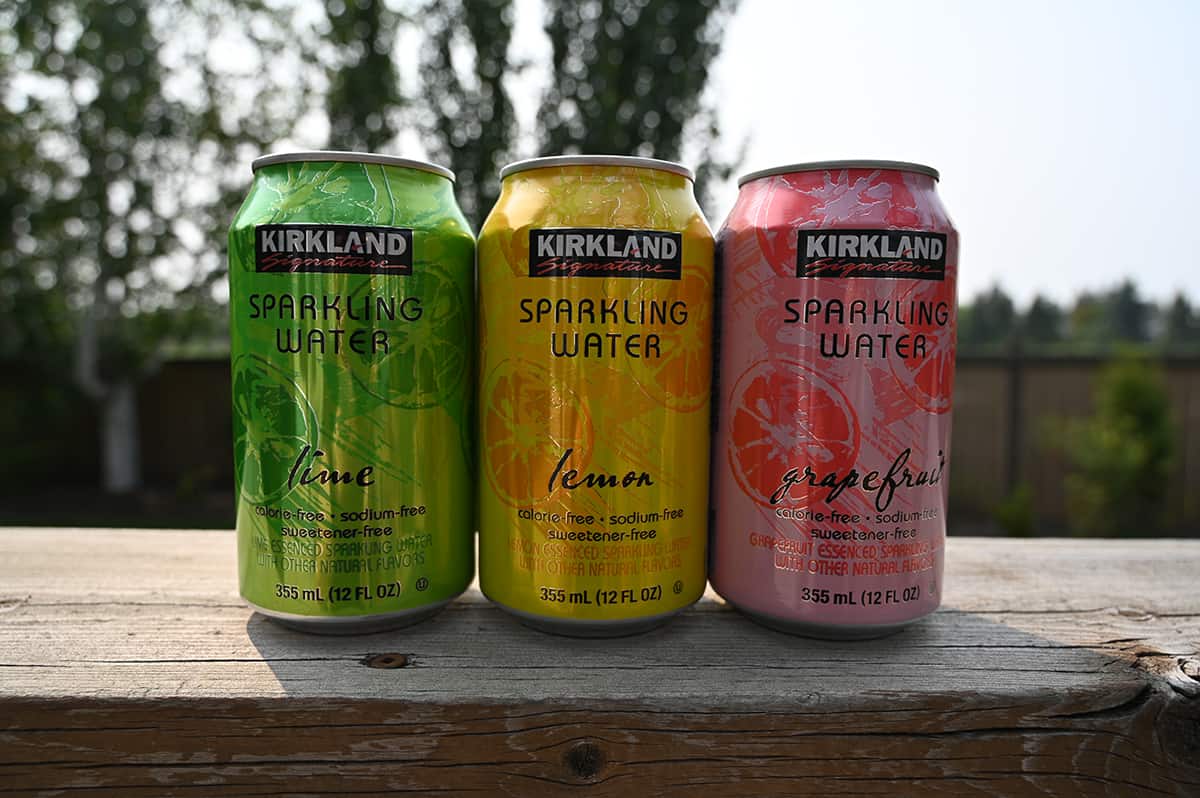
[352,624]
[576,627]
[823,631]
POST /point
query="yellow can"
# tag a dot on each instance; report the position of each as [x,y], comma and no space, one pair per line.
[595,319]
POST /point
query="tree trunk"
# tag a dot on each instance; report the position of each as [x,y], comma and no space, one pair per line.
[121,461]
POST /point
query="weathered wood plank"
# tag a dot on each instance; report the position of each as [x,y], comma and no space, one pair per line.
[128,665]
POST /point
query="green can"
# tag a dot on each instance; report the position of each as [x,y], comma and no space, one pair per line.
[351,281]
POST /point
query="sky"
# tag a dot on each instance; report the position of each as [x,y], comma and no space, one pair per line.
[1067,133]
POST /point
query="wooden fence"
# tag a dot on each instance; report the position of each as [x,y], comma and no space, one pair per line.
[1010,411]
[1006,410]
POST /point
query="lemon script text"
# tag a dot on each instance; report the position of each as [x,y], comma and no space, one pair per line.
[571,478]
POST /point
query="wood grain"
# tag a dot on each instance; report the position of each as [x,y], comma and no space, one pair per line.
[128,666]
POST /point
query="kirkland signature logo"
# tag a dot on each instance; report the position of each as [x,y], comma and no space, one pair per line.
[910,254]
[333,248]
[591,252]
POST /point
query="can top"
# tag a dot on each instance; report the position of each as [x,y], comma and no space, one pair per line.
[350,157]
[597,160]
[817,166]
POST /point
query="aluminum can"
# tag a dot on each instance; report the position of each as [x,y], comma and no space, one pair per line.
[595,297]
[351,283]
[837,341]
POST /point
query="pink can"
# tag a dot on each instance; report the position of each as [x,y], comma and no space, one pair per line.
[837,338]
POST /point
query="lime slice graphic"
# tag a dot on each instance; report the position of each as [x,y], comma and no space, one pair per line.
[426,358]
[273,422]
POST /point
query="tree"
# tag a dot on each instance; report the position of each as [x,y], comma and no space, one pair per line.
[1129,315]
[124,197]
[1121,457]
[470,122]
[1181,324]
[31,314]
[1044,322]
[463,110]
[628,77]
[364,99]
[1087,322]
[1119,315]
[988,324]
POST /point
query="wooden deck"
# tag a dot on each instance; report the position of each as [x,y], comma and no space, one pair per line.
[128,666]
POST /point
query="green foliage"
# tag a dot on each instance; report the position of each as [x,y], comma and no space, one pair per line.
[127,124]
[364,98]
[1181,326]
[988,325]
[1044,323]
[1121,456]
[1014,513]
[129,119]
[1100,321]
[1129,314]
[628,78]
[610,61]
[1097,323]
[470,123]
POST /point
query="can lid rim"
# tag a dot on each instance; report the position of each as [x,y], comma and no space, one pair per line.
[550,161]
[347,156]
[818,166]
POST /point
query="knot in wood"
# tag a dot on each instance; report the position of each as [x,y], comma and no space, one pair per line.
[585,760]
[385,661]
